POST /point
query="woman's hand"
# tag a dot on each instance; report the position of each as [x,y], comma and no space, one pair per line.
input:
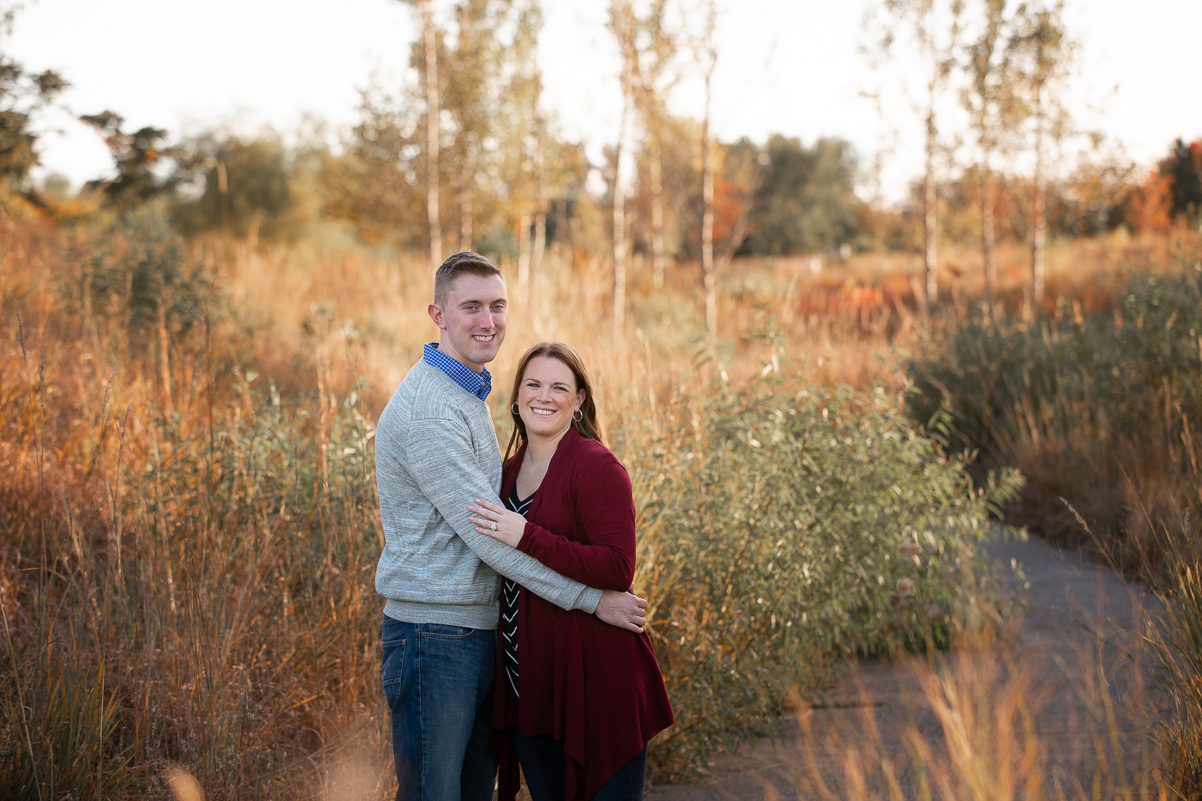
[498,522]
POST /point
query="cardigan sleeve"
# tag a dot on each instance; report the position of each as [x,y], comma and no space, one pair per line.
[604,502]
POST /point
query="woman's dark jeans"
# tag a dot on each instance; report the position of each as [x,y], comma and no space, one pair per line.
[542,759]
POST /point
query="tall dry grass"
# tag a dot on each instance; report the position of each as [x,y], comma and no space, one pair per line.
[187,557]
[1098,411]
[975,726]
[189,512]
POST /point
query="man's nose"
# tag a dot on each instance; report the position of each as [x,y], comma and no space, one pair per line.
[486,321]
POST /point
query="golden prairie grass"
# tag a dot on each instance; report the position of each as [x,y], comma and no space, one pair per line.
[1102,410]
[975,727]
[189,511]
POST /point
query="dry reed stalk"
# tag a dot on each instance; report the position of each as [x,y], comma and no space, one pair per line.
[971,727]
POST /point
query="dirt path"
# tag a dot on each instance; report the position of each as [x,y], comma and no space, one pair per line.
[1052,672]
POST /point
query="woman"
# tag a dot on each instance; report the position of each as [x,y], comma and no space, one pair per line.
[577,699]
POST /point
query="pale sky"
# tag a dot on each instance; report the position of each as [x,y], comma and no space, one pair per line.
[785,66]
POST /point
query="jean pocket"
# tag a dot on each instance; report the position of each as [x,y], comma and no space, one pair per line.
[445,631]
[392,669]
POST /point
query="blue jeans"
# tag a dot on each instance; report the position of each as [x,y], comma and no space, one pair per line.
[438,681]
[541,757]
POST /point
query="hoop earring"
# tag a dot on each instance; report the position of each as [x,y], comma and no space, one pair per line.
[513,407]
[577,415]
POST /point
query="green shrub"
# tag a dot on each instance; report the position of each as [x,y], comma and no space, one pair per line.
[1014,379]
[785,527]
[134,273]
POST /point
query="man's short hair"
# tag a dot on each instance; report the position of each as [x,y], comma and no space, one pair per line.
[462,263]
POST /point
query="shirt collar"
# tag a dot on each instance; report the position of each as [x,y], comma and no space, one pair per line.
[472,382]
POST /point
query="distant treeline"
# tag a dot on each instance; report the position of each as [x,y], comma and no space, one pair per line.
[797,199]
[462,154]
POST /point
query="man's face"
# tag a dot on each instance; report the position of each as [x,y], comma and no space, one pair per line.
[473,319]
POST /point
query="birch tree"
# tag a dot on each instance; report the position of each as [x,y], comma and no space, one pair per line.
[934,27]
[473,89]
[524,142]
[623,25]
[1044,56]
[989,100]
[427,66]
[656,48]
[707,56]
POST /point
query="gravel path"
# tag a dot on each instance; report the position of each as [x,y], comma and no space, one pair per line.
[1066,672]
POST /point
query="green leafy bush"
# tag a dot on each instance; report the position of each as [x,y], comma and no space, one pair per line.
[785,527]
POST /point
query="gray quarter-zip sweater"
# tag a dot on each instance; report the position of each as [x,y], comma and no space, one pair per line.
[436,451]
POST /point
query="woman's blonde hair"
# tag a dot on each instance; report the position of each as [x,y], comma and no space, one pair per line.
[588,425]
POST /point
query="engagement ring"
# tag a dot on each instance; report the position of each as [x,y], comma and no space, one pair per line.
[494,525]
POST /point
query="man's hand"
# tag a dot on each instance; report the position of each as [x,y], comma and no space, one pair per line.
[622,609]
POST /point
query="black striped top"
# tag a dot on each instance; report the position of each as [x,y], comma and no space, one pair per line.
[509,606]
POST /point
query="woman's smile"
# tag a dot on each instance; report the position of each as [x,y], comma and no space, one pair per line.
[547,398]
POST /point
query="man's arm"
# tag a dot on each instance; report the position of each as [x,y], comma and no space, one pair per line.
[440,454]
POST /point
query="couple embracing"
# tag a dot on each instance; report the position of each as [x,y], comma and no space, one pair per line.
[510,637]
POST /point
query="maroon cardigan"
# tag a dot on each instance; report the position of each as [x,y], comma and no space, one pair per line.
[595,687]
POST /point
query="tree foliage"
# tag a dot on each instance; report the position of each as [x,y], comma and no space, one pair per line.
[22,95]
[139,159]
[806,198]
[249,189]
[1183,168]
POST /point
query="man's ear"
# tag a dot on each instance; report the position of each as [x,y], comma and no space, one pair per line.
[436,315]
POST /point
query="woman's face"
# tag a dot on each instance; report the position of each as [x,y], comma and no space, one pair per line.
[548,397]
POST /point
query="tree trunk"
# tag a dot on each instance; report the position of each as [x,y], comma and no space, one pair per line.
[1039,222]
[707,219]
[930,252]
[465,220]
[657,218]
[523,254]
[619,283]
[537,248]
[432,113]
[619,286]
[987,239]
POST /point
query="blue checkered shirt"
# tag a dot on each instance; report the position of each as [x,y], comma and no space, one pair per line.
[475,383]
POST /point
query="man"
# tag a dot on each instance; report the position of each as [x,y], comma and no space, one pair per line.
[436,451]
